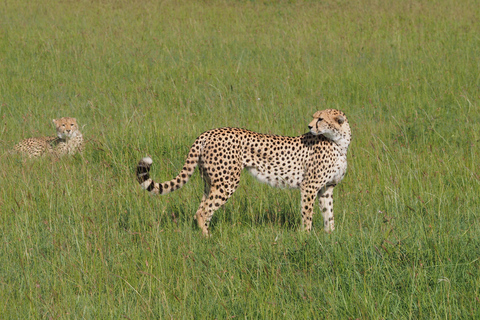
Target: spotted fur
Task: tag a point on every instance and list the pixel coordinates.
(69, 140)
(314, 162)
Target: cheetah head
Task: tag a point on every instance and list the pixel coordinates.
(332, 124)
(66, 127)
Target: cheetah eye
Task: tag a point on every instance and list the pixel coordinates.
(63, 125)
(320, 119)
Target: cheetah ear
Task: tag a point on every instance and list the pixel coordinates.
(340, 119)
(54, 120)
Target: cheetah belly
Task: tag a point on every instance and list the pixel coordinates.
(278, 180)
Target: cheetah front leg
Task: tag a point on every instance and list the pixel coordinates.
(325, 200)
(308, 195)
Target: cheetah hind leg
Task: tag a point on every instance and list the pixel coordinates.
(200, 215)
(325, 200)
(213, 198)
(210, 203)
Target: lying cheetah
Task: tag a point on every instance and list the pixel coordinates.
(69, 140)
(314, 162)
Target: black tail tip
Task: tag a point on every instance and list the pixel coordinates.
(143, 168)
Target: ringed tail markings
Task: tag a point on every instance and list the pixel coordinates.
(147, 183)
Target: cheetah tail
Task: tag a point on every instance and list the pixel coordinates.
(143, 173)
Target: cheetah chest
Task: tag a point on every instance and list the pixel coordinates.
(340, 170)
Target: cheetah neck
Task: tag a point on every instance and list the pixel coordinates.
(340, 139)
(343, 144)
(75, 136)
(76, 140)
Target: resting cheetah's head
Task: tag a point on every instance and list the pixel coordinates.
(332, 124)
(66, 127)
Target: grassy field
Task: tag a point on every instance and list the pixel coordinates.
(79, 239)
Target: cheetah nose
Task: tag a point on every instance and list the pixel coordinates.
(310, 127)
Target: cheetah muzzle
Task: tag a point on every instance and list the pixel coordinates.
(314, 162)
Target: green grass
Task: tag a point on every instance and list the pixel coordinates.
(79, 239)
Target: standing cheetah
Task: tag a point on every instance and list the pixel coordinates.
(69, 140)
(314, 162)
